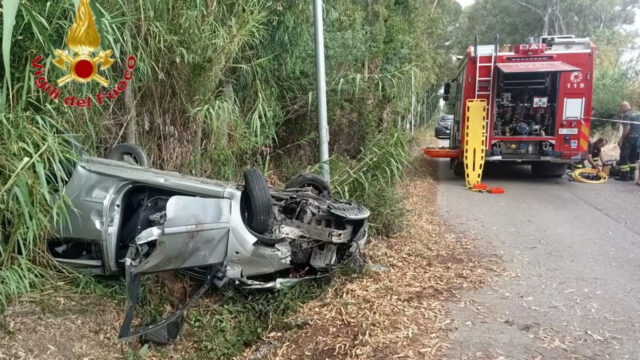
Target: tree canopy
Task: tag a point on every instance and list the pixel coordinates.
(516, 20)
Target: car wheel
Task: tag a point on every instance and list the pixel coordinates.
(258, 209)
(306, 180)
(548, 170)
(129, 153)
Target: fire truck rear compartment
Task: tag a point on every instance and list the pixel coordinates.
(526, 105)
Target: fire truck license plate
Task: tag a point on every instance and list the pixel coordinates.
(567, 131)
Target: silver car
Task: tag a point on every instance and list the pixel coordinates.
(135, 220)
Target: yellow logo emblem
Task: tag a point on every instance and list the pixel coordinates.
(83, 39)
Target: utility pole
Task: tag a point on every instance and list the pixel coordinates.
(323, 128)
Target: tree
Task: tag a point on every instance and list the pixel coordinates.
(517, 20)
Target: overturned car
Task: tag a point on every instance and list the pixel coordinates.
(135, 220)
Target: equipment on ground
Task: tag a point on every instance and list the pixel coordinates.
(611, 168)
(589, 176)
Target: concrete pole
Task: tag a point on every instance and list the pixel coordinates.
(323, 128)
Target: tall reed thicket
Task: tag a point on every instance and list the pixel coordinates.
(221, 85)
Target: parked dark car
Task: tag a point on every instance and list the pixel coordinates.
(443, 126)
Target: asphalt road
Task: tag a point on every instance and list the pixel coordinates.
(570, 288)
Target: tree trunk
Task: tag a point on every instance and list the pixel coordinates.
(366, 70)
(197, 146)
(230, 96)
(547, 12)
(130, 107)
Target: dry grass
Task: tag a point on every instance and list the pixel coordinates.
(401, 309)
(57, 327)
(398, 309)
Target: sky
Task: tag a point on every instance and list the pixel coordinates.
(466, 2)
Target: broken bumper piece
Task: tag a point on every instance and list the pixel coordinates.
(167, 330)
(277, 283)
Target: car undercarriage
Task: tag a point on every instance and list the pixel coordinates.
(126, 219)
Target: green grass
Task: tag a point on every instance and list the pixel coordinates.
(371, 179)
(34, 157)
(111, 288)
(224, 327)
(18, 279)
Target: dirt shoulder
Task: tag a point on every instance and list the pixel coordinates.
(61, 327)
(398, 309)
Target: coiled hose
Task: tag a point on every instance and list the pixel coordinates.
(590, 176)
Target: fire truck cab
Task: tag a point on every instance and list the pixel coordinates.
(538, 101)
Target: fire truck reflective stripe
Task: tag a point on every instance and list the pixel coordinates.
(584, 130)
(584, 138)
(475, 141)
(584, 144)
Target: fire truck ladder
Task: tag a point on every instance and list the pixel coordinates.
(492, 65)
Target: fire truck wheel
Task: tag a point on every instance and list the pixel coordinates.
(458, 167)
(548, 169)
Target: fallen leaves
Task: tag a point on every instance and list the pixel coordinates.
(400, 312)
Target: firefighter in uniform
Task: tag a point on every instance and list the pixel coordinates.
(628, 143)
(594, 157)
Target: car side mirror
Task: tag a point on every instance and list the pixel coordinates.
(446, 91)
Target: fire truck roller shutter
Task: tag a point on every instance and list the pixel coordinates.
(529, 67)
(526, 103)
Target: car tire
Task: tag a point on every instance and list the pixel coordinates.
(540, 169)
(258, 207)
(306, 180)
(120, 152)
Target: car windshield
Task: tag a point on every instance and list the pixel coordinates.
(446, 119)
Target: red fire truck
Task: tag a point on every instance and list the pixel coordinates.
(538, 102)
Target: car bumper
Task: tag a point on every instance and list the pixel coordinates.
(442, 132)
(526, 159)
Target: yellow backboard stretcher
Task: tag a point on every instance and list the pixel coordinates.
(475, 141)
